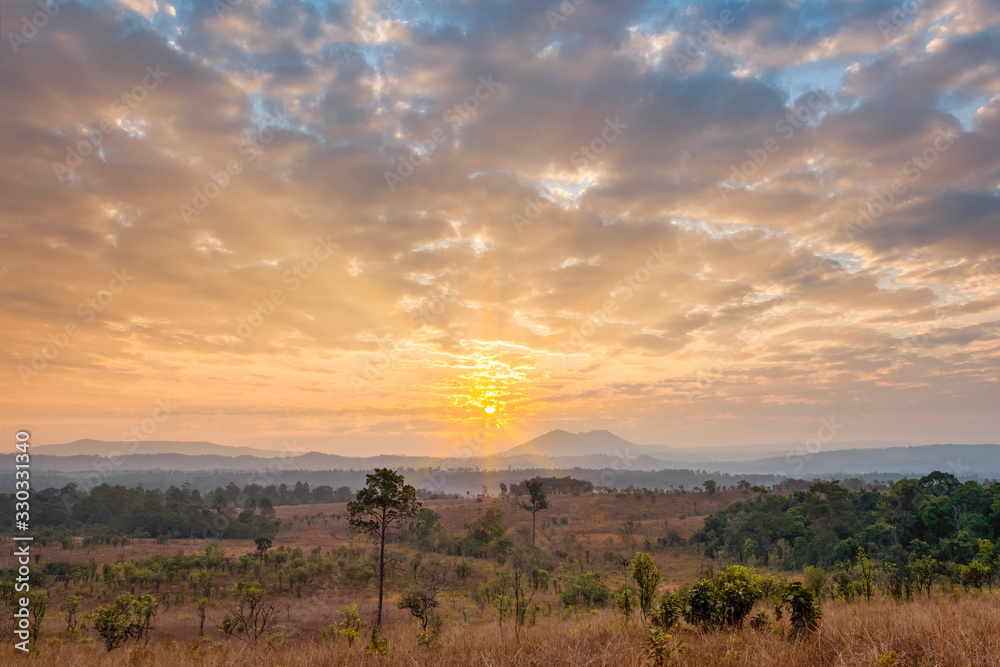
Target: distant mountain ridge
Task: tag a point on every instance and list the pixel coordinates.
(959, 460)
(593, 450)
(560, 443)
(110, 448)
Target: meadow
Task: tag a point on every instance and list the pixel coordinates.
(317, 567)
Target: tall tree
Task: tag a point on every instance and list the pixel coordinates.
(263, 543)
(386, 501)
(536, 503)
(647, 577)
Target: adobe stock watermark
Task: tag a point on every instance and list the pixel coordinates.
(130, 439)
(827, 431)
(696, 47)
(989, 266)
(882, 200)
(581, 158)
(624, 289)
(31, 26)
(707, 377)
(387, 356)
(562, 12)
(379, 365)
(468, 447)
(623, 462)
(430, 310)
(218, 181)
(406, 165)
(909, 347)
(902, 14)
(263, 478)
(794, 120)
(294, 277)
(87, 310)
(93, 138)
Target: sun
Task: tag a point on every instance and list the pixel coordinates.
(492, 385)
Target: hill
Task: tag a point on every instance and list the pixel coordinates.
(960, 460)
(111, 448)
(561, 443)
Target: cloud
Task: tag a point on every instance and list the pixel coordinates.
(276, 126)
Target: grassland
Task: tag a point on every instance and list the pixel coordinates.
(949, 628)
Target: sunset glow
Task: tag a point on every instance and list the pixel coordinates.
(370, 230)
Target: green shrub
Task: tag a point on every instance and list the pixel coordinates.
(647, 577)
(660, 647)
(974, 575)
(700, 608)
(350, 623)
(736, 595)
(816, 580)
(626, 600)
(760, 621)
(585, 590)
(805, 612)
(726, 599)
(669, 611)
(128, 618)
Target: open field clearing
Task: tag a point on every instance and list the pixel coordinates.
(943, 632)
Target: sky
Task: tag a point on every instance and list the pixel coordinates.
(394, 227)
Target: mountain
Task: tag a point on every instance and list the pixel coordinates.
(559, 443)
(731, 453)
(89, 466)
(960, 460)
(595, 450)
(110, 448)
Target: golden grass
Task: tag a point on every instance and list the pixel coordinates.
(942, 632)
(946, 631)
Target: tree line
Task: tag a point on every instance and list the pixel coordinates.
(934, 519)
(107, 512)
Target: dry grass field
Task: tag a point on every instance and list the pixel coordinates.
(595, 520)
(950, 629)
(944, 632)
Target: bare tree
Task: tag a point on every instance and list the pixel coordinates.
(253, 617)
(522, 562)
(627, 534)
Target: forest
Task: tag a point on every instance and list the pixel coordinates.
(935, 515)
(716, 575)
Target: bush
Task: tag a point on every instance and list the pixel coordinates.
(128, 618)
(626, 600)
(725, 600)
(668, 612)
(700, 608)
(378, 645)
(974, 575)
(805, 610)
(419, 602)
(350, 623)
(816, 580)
(736, 595)
(660, 647)
(252, 618)
(843, 583)
(646, 576)
(585, 589)
(760, 621)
